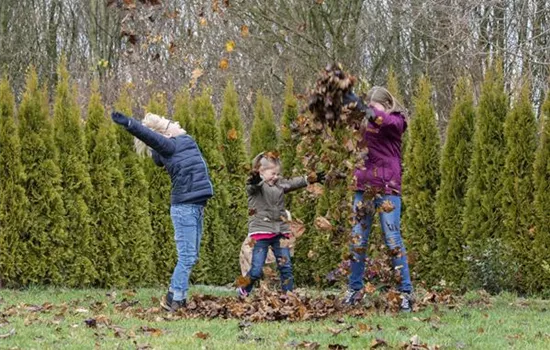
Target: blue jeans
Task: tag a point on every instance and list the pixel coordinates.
(282, 255)
(391, 226)
(187, 220)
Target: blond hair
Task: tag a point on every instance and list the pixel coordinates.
(385, 98)
(156, 123)
(265, 160)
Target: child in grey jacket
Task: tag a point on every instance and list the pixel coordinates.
(268, 221)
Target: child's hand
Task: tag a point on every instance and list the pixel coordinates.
(120, 119)
(316, 177)
(255, 178)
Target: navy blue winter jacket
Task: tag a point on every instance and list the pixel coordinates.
(183, 160)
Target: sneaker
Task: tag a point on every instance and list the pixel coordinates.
(352, 296)
(171, 305)
(242, 293)
(407, 302)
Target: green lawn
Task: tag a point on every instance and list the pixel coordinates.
(56, 319)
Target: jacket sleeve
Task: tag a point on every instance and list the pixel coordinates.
(294, 183)
(156, 158)
(163, 145)
(393, 122)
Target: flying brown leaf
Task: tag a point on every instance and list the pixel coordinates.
(224, 64)
(297, 228)
(387, 206)
(232, 134)
(215, 6)
(244, 31)
(230, 46)
(316, 189)
(323, 224)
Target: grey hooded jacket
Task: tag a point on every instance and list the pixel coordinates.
(266, 205)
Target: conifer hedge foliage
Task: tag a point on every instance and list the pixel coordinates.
(79, 208)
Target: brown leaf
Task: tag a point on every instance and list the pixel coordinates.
(203, 22)
(297, 228)
(364, 327)
(215, 6)
(224, 64)
(232, 134)
(244, 31)
(387, 206)
(378, 343)
(316, 189)
(242, 281)
(370, 288)
(323, 224)
(202, 335)
(155, 332)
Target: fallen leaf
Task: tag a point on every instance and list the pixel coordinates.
(242, 281)
(378, 343)
(203, 22)
(364, 327)
(202, 335)
(155, 332)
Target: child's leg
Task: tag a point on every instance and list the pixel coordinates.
(391, 225)
(282, 254)
(358, 246)
(259, 253)
(187, 221)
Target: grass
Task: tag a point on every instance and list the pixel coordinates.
(505, 322)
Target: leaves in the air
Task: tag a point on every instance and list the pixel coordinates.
(244, 31)
(323, 224)
(224, 64)
(387, 206)
(232, 134)
(230, 46)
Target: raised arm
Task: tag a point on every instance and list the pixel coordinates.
(395, 122)
(163, 145)
(293, 183)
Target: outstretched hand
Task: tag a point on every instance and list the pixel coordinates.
(319, 176)
(120, 119)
